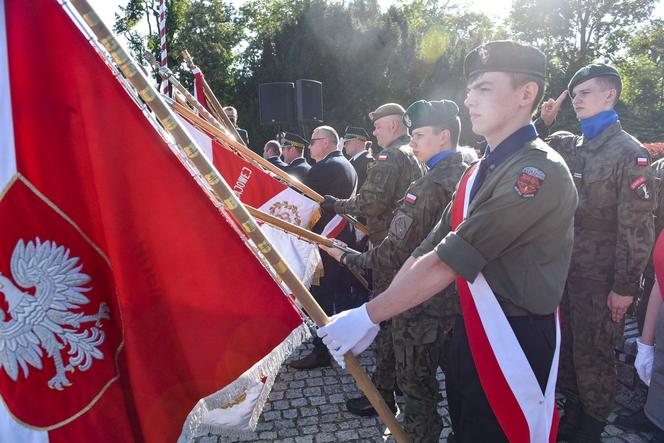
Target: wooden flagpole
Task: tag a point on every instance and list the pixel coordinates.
(306, 234)
(214, 128)
(217, 108)
(227, 197)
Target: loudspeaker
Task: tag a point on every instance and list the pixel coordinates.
(309, 100)
(275, 103)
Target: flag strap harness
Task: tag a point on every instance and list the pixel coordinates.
(524, 413)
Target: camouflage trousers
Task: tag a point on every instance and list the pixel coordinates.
(384, 376)
(587, 368)
(416, 367)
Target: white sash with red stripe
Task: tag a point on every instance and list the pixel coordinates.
(509, 383)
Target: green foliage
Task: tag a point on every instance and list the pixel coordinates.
(366, 56)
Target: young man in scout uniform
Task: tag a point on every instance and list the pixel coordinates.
(393, 171)
(417, 333)
(613, 236)
(507, 239)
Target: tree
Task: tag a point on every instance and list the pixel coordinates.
(642, 69)
(139, 11)
(577, 32)
(210, 33)
(364, 57)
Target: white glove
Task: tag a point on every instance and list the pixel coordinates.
(349, 330)
(645, 356)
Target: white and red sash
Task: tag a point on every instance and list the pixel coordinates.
(515, 396)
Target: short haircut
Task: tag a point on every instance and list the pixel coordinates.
(230, 108)
(610, 82)
(274, 146)
(454, 126)
(520, 79)
(330, 133)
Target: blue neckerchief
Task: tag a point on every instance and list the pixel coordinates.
(433, 161)
(494, 157)
(593, 126)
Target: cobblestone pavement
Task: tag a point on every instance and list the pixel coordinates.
(309, 406)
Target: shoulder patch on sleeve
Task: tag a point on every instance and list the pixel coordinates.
(382, 157)
(410, 198)
(529, 181)
(642, 161)
(640, 187)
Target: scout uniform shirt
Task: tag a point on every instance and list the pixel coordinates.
(387, 179)
(513, 229)
(418, 212)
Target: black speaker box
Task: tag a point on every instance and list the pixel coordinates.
(309, 100)
(275, 103)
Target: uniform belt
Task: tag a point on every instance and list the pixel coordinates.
(594, 224)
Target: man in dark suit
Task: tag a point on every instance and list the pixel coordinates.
(331, 174)
(272, 153)
(355, 147)
(292, 148)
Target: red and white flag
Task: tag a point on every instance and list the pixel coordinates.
(256, 187)
(199, 89)
(125, 295)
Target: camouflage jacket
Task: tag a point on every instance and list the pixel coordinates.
(418, 212)
(658, 170)
(387, 179)
(613, 227)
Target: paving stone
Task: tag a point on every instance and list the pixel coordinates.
(299, 402)
(309, 406)
(290, 413)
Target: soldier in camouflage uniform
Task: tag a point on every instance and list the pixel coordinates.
(393, 171)
(418, 333)
(613, 236)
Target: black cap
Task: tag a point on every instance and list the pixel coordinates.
(290, 139)
(354, 133)
(592, 71)
(430, 113)
(505, 56)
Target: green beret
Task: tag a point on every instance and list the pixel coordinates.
(290, 139)
(430, 113)
(385, 110)
(505, 56)
(592, 71)
(353, 133)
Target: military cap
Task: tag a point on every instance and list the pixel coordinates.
(592, 71)
(353, 133)
(505, 56)
(429, 113)
(385, 110)
(290, 139)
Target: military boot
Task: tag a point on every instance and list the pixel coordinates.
(569, 424)
(590, 430)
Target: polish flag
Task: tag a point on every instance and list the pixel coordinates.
(130, 309)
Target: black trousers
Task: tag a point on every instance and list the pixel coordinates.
(470, 412)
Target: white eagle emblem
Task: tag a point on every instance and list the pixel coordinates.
(45, 321)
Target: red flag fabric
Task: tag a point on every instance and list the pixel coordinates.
(127, 295)
(199, 89)
(254, 186)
